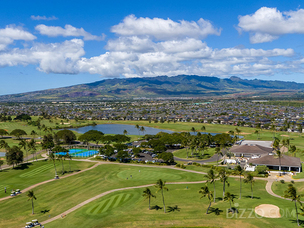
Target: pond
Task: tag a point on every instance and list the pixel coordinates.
(119, 129)
(2, 154)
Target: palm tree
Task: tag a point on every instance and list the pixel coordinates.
(239, 171)
(250, 180)
(4, 144)
(142, 129)
(137, 127)
(61, 157)
(205, 192)
(125, 132)
(219, 152)
(148, 194)
(238, 131)
(53, 158)
(193, 129)
(31, 196)
(257, 133)
(230, 198)
(291, 193)
(224, 178)
(161, 187)
(211, 176)
(279, 154)
(33, 133)
(23, 144)
(203, 128)
(68, 156)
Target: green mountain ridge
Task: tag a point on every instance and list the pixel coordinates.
(162, 86)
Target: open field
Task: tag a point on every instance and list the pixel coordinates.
(58, 196)
(28, 174)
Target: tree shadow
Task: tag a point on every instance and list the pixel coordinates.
(216, 211)
(172, 209)
(156, 207)
(254, 197)
(219, 198)
(45, 211)
(23, 166)
(301, 222)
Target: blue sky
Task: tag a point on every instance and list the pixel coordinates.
(50, 44)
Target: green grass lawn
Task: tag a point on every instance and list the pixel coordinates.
(279, 188)
(58, 196)
(130, 209)
(182, 153)
(31, 173)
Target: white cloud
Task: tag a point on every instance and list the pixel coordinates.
(141, 57)
(162, 29)
(267, 24)
(11, 33)
(68, 30)
(39, 18)
(51, 58)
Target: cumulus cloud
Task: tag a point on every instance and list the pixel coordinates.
(267, 24)
(11, 33)
(50, 58)
(68, 30)
(186, 56)
(163, 29)
(39, 18)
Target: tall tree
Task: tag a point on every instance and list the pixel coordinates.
(291, 193)
(31, 196)
(142, 129)
(161, 186)
(1, 163)
(137, 127)
(230, 198)
(18, 133)
(14, 156)
(203, 128)
(3, 132)
(206, 193)
(279, 154)
(250, 180)
(211, 176)
(148, 194)
(239, 171)
(224, 178)
(53, 158)
(218, 151)
(23, 144)
(125, 132)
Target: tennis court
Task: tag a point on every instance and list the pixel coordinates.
(81, 153)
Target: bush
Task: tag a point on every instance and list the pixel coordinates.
(178, 165)
(292, 182)
(282, 181)
(183, 166)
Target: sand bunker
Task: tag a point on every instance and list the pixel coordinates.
(268, 211)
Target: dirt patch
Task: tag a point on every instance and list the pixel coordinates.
(268, 211)
(289, 136)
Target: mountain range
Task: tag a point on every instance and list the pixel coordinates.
(163, 86)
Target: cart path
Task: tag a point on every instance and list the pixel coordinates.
(106, 193)
(94, 166)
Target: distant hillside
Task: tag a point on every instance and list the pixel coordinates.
(162, 86)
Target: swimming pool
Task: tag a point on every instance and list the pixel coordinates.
(81, 153)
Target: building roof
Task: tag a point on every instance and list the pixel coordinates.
(257, 142)
(250, 149)
(275, 161)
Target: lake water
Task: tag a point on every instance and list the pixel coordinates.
(2, 154)
(119, 128)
